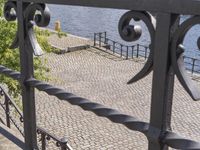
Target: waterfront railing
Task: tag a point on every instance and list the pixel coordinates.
(167, 33)
(127, 52)
(14, 118)
(136, 51)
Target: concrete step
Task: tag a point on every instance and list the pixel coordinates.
(9, 139)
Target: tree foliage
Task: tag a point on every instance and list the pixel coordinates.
(1, 7)
(10, 57)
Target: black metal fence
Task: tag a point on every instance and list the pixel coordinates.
(165, 60)
(192, 64)
(127, 52)
(136, 51)
(14, 117)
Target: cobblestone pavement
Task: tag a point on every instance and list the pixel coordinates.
(6, 144)
(102, 78)
(68, 41)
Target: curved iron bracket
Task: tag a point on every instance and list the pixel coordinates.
(177, 60)
(35, 13)
(131, 33)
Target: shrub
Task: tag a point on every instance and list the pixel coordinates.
(11, 57)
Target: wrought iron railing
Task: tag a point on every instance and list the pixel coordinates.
(128, 52)
(14, 115)
(193, 64)
(12, 112)
(165, 59)
(136, 51)
(62, 144)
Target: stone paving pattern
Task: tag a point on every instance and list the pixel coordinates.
(5, 144)
(101, 78)
(68, 41)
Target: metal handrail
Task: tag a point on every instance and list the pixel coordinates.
(101, 40)
(135, 50)
(45, 135)
(6, 106)
(11, 136)
(113, 115)
(166, 32)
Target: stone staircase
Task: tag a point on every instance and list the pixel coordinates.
(9, 138)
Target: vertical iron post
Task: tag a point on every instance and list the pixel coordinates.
(106, 41)
(163, 83)
(94, 39)
(121, 48)
(7, 111)
(105, 37)
(138, 46)
(100, 39)
(113, 47)
(132, 51)
(28, 97)
(126, 52)
(193, 64)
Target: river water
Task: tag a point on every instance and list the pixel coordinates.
(85, 21)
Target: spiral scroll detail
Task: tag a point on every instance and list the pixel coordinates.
(132, 33)
(177, 60)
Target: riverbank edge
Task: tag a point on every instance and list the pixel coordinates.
(195, 76)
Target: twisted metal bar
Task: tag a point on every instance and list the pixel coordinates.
(10, 73)
(100, 110)
(171, 139)
(175, 141)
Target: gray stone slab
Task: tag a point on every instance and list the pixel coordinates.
(102, 78)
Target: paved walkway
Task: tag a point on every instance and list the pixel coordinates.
(101, 78)
(68, 41)
(5, 143)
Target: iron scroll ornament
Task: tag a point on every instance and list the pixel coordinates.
(177, 59)
(34, 13)
(132, 33)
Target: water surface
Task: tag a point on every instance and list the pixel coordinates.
(85, 21)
